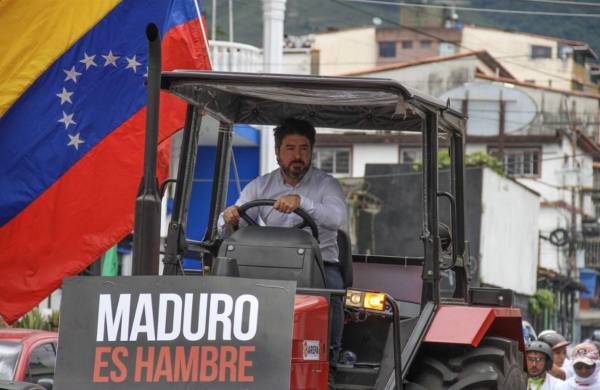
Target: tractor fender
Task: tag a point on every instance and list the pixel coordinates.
(468, 325)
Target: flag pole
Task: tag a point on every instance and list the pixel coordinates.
(146, 232)
(204, 37)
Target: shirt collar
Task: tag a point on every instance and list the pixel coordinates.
(304, 179)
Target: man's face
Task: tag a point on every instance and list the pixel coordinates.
(536, 362)
(583, 370)
(294, 155)
(559, 355)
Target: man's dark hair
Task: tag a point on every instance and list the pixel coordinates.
(294, 126)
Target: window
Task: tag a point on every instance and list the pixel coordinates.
(521, 162)
(407, 44)
(426, 44)
(9, 354)
(410, 155)
(333, 160)
(541, 51)
(387, 49)
(41, 363)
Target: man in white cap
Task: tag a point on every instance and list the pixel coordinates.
(585, 365)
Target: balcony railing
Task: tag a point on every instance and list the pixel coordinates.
(235, 57)
(592, 252)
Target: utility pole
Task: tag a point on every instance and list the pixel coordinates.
(501, 129)
(213, 27)
(230, 20)
(573, 133)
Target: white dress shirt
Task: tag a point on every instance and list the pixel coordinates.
(321, 196)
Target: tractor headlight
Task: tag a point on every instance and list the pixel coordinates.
(365, 300)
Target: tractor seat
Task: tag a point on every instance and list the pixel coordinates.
(345, 257)
(278, 253)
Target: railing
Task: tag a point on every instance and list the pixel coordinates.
(235, 57)
(592, 252)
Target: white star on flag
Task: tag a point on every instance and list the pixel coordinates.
(132, 64)
(72, 74)
(75, 141)
(88, 60)
(67, 119)
(65, 96)
(111, 59)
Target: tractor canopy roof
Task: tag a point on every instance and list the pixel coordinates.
(333, 102)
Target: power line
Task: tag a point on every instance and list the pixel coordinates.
(580, 3)
(490, 10)
(344, 3)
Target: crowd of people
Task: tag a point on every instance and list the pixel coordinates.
(553, 363)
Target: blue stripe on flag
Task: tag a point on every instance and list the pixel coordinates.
(78, 101)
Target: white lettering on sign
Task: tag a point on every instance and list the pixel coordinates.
(161, 332)
(252, 302)
(196, 316)
(220, 316)
(143, 321)
(111, 324)
(188, 333)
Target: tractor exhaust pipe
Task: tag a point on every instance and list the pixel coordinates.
(146, 237)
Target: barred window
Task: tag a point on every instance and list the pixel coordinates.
(520, 162)
(335, 161)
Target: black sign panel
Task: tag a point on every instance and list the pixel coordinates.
(149, 332)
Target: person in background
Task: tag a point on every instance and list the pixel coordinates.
(538, 357)
(559, 353)
(585, 367)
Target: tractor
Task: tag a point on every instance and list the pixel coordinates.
(402, 330)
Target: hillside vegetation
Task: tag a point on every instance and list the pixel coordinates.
(310, 16)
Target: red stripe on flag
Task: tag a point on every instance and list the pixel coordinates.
(91, 207)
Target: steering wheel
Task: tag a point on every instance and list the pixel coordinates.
(307, 220)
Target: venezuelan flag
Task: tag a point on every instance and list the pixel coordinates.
(72, 120)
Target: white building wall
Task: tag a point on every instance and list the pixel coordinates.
(556, 175)
(513, 50)
(509, 234)
(550, 256)
(475, 148)
(346, 51)
(372, 154)
(296, 61)
(433, 78)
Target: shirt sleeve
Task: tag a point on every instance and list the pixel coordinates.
(331, 211)
(248, 194)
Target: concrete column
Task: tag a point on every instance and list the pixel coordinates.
(273, 19)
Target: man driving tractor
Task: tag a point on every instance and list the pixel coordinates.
(297, 184)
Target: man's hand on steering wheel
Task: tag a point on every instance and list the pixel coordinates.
(231, 215)
(287, 203)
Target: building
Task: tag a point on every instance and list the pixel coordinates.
(545, 137)
(537, 59)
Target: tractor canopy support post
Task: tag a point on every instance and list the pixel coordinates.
(146, 238)
(431, 266)
(220, 179)
(183, 189)
(458, 189)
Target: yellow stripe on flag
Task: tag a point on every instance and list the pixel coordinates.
(34, 33)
